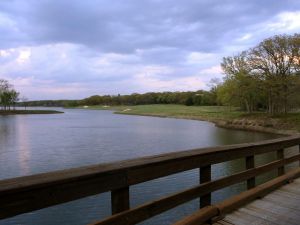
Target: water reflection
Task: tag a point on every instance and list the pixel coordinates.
(24, 145)
(290, 152)
(6, 126)
(40, 143)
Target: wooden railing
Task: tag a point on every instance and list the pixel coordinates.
(25, 194)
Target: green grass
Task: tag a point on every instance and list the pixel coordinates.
(18, 112)
(290, 121)
(179, 111)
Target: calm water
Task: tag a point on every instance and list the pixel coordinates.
(31, 144)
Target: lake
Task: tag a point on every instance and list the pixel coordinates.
(31, 144)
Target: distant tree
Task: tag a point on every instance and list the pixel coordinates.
(24, 101)
(14, 97)
(8, 96)
(189, 101)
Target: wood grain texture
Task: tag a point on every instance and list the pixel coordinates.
(150, 209)
(280, 155)
(205, 176)
(250, 163)
(25, 194)
(120, 200)
(280, 207)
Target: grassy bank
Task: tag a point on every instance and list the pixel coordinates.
(221, 115)
(22, 112)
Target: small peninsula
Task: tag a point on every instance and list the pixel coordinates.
(27, 112)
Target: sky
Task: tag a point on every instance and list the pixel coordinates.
(71, 49)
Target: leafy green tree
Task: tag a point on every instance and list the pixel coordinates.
(276, 61)
(8, 96)
(266, 76)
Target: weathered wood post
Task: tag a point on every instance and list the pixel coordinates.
(205, 176)
(280, 155)
(250, 164)
(120, 200)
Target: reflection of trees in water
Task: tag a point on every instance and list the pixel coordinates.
(7, 128)
(269, 157)
(225, 169)
(224, 136)
(264, 159)
(14, 132)
(24, 152)
(290, 152)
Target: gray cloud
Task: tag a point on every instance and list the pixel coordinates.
(124, 26)
(113, 42)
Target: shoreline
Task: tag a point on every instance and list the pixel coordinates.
(27, 112)
(219, 116)
(254, 127)
(236, 124)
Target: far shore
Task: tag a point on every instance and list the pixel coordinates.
(27, 112)
(221, 116)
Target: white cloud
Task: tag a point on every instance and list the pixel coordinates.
(24, 56)
(109, 59)
(245, 37)
(214, 70)
(5, 53)
(199, 57)
(286, 21)
(145, 83)
(30, 86)
(5, 21)
(154, 71)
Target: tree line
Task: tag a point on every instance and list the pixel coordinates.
(185, 98)
(8, 95)
(265, 77)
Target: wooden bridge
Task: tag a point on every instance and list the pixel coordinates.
(25, 194)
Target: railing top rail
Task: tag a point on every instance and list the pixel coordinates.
(129, 170)
(25, 194)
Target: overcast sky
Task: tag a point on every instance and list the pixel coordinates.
(71, 49)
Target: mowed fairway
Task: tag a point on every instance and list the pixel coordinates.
(177, 111)
(208, 113)
(182, 111)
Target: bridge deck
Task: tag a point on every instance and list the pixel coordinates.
(280, 207)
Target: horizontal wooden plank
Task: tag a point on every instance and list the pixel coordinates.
(287, 202)
(274, 208)
(207, 213)
(259, 191)
(136, 166)
(240, 217)
(270, 219)
(151, 209)
(287, 194)
(223, 222)
(245, 197)
(283, 212)
(24, 194)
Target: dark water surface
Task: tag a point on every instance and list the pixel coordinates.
(31, 144)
